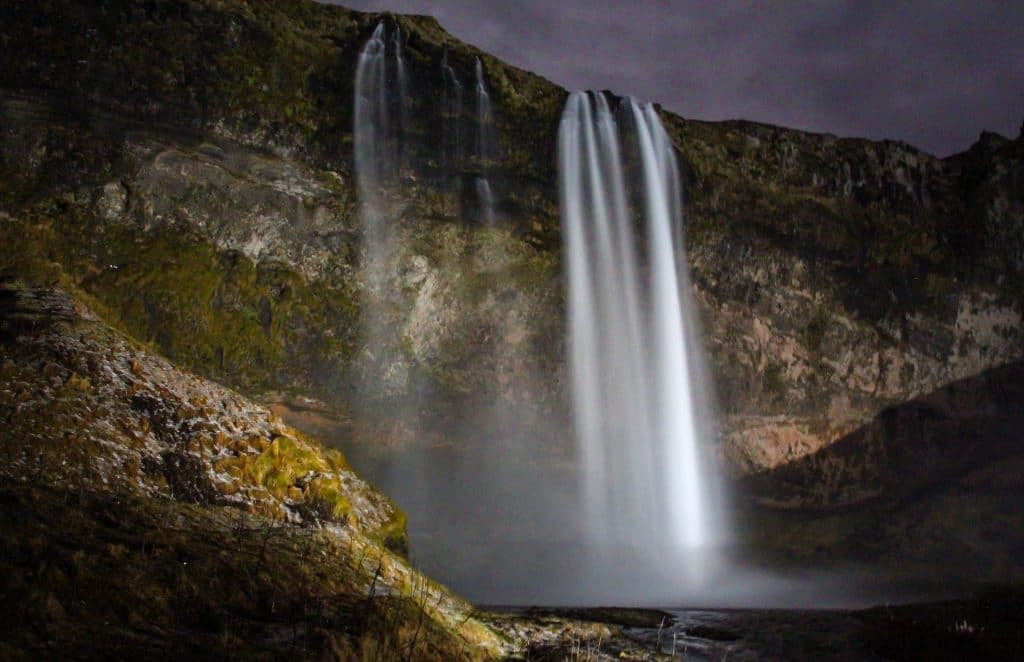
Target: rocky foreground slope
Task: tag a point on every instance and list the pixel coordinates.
(148, 512)
(140, 495)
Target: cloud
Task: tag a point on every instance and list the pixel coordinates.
(933, 74)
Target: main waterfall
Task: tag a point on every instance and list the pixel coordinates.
(639, 410)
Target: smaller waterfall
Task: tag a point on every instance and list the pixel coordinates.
(380, 118)
(451, 119)
(380, 112)
(483, 116)
(484, 145)
(486, 199)
(380, 124)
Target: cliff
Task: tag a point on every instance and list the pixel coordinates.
(188, 164)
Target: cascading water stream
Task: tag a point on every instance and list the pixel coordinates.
(380, 113)
(483, 148)
(451, 118)
(379, 122)
(379, 125)
(635, 374)
(483, 114)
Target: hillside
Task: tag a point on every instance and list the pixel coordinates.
(143, 495)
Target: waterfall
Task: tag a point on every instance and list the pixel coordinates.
(380, 111)
(483, 147)
(635, 364)
(483, 115)
(485, 198)
(380, 121)
(403, 83)
(380, 118)
(451, 118)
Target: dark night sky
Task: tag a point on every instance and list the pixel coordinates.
(931, 73)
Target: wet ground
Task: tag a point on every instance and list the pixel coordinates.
(988, 626)
(758, 635)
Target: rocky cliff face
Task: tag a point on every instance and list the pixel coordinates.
(106, 415)
(188, 164)
(842, 276)
(140, 495)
